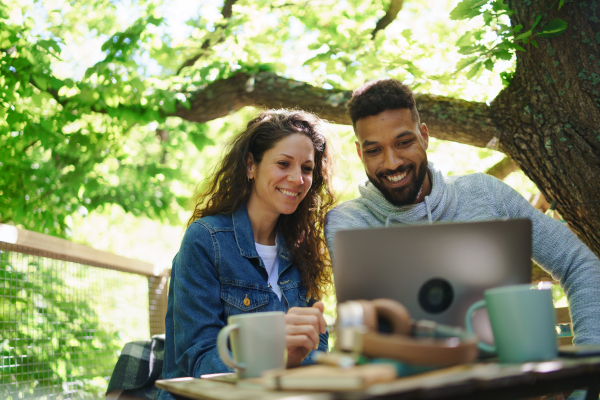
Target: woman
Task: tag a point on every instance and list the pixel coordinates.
(255, 243)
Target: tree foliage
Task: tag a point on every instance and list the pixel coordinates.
(76, 143)
(497, 39)
(129, 127)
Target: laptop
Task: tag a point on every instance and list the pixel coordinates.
(437, 271)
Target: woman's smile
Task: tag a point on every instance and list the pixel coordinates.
(289, 193)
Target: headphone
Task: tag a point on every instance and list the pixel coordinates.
(421, 342)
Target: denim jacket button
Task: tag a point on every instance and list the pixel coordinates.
(246, 301)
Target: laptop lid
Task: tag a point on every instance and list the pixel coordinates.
(436, 271)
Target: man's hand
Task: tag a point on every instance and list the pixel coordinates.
(302, 328)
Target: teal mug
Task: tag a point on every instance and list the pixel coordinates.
(523, 323)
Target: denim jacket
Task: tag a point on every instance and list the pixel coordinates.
(215, 270)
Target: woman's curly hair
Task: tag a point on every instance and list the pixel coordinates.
(228, 188)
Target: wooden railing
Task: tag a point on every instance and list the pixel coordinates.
(66, 310)
(29, 242)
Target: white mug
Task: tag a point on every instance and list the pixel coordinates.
(257, 343)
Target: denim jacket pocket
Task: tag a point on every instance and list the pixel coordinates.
(304, 299)
(296, 296)
(241, 299)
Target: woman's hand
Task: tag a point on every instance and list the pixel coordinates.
(302, 328)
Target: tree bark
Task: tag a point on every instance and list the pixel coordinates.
(448, 119)
(503, 168)
(550, 113)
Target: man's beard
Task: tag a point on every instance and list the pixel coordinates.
(406, 194)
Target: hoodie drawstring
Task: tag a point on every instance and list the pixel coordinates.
(387, 221)
(429, 218)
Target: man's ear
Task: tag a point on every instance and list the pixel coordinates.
(424, 135)
(358, 149)
(250, 166)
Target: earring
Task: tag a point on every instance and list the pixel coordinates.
(249, 179)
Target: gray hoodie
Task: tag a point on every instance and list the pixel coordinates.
(480, 197)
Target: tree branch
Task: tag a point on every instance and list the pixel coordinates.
(389, 17)
(226, 13)
(502, 169)
(448, 119)
(29, 145)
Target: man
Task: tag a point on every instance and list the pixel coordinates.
(403, 188)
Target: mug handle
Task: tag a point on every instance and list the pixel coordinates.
(222, 347)
(469, 325)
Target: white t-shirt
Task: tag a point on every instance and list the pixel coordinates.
(269, 257)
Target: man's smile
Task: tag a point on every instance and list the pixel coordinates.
(396, 177)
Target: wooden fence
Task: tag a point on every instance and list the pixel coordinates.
(66, 310)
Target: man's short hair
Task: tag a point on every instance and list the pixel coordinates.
(379, 95)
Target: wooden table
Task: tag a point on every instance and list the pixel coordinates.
(473, 381)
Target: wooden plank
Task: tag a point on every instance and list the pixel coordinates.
(158, 289)
(565, 341)
(562, 315)
(32, 242)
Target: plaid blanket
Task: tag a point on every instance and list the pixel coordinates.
(138, 367)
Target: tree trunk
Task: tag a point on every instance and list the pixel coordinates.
(550, 114)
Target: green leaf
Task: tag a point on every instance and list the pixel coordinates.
(489, 64)
(537, 21)
(553, 28)
(524, 35)
(499, 5)
(111, 99)
(169, 104)
(51, 44)
(466, 40)
(185, 103)
(474, 70)
(534, 43)
(14, 118)
(37, 98)
(155, 21)
(465, 62)
(57, 83)
(471, 49)
(488, 17)
(40, 81)
(562, 2)
(507, 77)
(197, 134)
(467, 9)
(88, 95)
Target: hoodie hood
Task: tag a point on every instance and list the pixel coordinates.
(441, 204)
